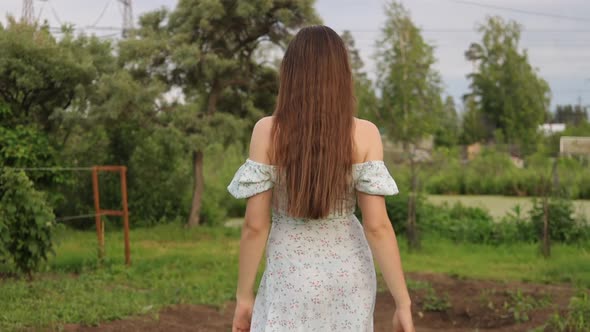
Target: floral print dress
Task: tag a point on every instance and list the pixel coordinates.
(319, 274)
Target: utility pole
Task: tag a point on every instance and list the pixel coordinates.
(127, 17)
(28, 14)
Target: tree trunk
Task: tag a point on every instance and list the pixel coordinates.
(546, 249)
(412, 229)
(199, 186)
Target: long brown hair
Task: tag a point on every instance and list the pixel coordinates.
(313, 121)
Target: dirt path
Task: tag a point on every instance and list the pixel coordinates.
(470, 305)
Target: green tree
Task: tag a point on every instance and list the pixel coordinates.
(41, 78)
(447, 133)
(45, 89)
(511, 97)
(410, 91)
(367, 102)
(207, 49)
(473, 128)
(571, 114)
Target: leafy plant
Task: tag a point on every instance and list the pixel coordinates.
(577, 317)
(433, 302)
(26, 223)
(521, 304)
(563, 227)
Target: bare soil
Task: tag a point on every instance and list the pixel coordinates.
(450, 304)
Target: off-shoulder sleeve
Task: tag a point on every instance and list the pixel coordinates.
(251, 178)
(373, 178)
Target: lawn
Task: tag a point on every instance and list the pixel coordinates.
(173, 265)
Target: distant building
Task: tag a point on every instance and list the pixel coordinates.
(552, 128)
(569, 146)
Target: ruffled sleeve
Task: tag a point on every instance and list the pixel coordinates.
(373, 178)
(251, 178)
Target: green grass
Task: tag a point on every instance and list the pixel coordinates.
(519, 261)
(172, 265)
(498, 206)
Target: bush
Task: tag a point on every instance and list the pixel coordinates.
(563, 226)
(459, 223)
(397, 210)
(160, 179)
(515, 227)
(220, 166)
(493, 173)
(26, 223)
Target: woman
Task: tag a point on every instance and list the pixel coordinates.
(310, 163)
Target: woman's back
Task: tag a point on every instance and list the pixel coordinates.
(319, 273)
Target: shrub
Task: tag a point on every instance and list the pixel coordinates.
(447, 175)
(26, 223)
(563, 227)
(160, 181)
(459, 223)
(220, 166)
(514, 227)
(397, 210)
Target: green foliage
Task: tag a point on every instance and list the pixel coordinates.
(207, 50)
(577, 317)
(397, 210)
(493, 163)
(160, 178)
(473, 128)
(410, 86)
(563, 227)
(218, 204)
(434, 302)
(463, 224)
(41, 77)
(447, 174)
(26, 223)
(460, 223)
(520, 305)
(571, 114)
(447, 133)
(509, 94)
(367, 101)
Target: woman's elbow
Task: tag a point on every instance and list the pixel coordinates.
(256, 226)
(377, 227)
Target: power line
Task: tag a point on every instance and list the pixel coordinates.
(54, 12)
(522, 11)
(101, 14)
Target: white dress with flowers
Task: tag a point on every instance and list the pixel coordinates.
(319, 274)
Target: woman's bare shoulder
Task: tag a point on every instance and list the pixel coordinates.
(367, 141)
(260, 142)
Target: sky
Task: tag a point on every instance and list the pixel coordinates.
(556, 32)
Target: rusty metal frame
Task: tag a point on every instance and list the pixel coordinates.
(122, 170)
